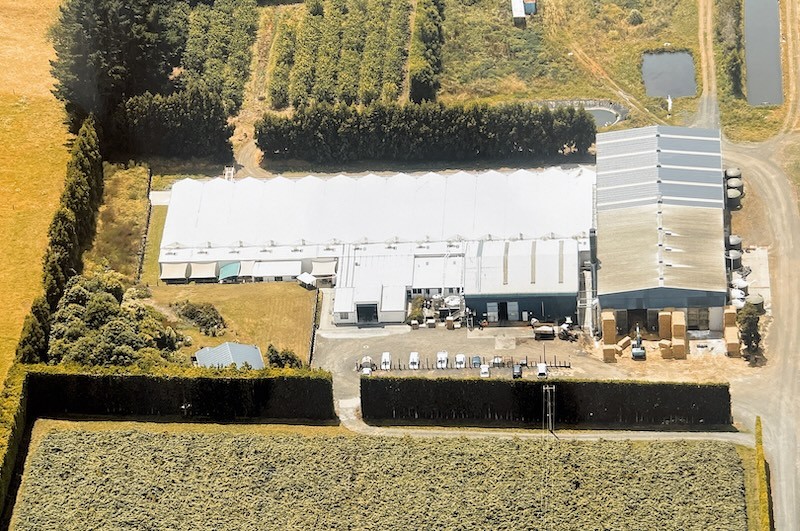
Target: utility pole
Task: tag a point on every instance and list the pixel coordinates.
(548, 407)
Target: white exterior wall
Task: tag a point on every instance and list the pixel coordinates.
(715, 319)
(391, 317)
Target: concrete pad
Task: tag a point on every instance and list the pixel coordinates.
(757, 259)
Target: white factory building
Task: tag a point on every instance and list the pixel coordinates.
(512, 243)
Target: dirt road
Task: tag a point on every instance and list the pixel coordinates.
(773, 392)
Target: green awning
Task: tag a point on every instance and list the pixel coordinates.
(229, 270)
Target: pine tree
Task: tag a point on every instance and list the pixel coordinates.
(32, 346)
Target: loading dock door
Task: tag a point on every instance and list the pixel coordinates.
(513, 311)
(367, 313)
(491, 312)
(502, 311)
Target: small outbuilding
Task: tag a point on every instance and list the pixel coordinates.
(230, 353)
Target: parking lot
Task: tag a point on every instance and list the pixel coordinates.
(340, 351)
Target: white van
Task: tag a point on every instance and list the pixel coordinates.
(484, 371)
(413, 361)
(441, 359)
(541, 370)
(461, 361)
(386, 361)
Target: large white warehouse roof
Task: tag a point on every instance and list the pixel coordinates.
(218, 214)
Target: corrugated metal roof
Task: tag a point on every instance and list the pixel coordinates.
(671, 165)
(227, 353)
(523, 266)
(660, 212)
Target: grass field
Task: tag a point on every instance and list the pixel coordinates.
(486, 57)
(281, 313)
(32, 159)
(191, 479)
(121, 220)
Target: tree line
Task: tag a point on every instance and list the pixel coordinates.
(70, 234)
(170, 54)
(425, 55)
(427, 131)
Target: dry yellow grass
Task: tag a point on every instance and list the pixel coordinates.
(32, 159)
(280, 313)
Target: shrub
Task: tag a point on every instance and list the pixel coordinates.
(635, 17)
(203, 315)
(283, 359)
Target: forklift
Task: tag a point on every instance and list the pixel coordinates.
(637, 350)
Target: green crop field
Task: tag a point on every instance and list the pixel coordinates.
(84, 478)
(339, 50)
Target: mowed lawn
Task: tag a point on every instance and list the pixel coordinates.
(280, 313)
(32, 159)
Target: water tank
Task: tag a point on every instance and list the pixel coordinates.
(733, 259)
(736, 184)
(740, 284)
(737, 303)
(737, 293)
(734, 199)
(756, 300)
(735, 242)
(733, 173)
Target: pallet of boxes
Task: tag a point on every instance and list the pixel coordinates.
(731, 334)
(680, 344)
(609, 326)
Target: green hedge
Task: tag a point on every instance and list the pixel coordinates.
(578, 402)
(31, 391)
(424, 132)
(764, 509)
(224, 396)
(13, 421)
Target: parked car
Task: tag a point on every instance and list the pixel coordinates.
(413, 361)
(476, 362)
(441, 359)
(516, 371)
(366, 361)
(484, 371)
(366, 370)
(497, 361)
(541, 370)
(386, 361)
(461, 361)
